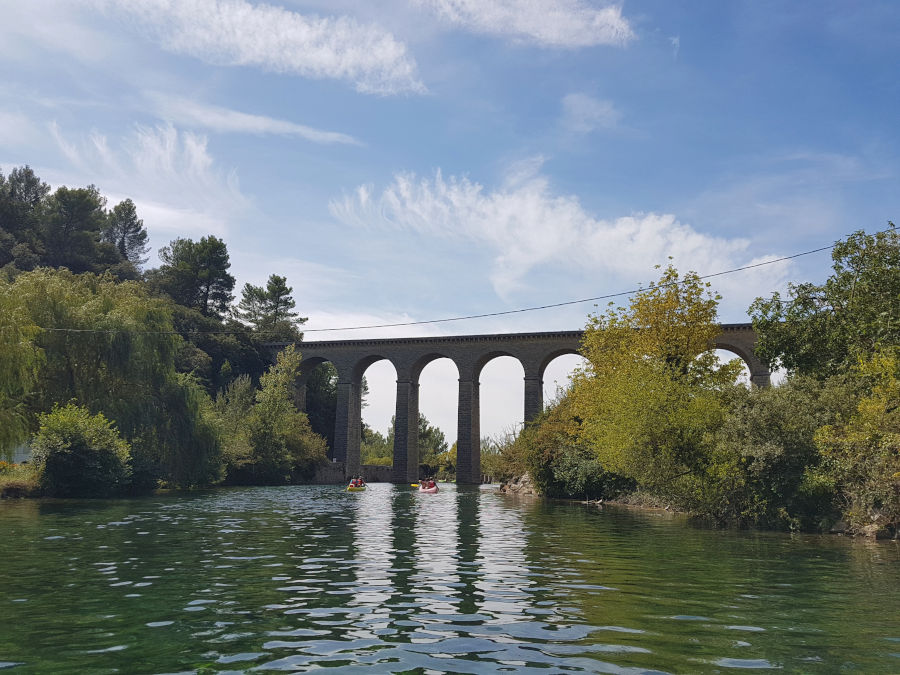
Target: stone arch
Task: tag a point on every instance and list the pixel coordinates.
(487, 357)
(362, 365)
(551, 356)
(550, 371)
(759, 374)
(417, 366)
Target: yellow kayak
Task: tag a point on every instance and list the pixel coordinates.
(350, 488)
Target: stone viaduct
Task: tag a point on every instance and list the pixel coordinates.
(470, 353)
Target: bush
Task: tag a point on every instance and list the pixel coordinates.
(18, 480)
(560, 463)
(79, 454)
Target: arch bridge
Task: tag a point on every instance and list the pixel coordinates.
(470, 353)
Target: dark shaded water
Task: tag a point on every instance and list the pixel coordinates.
(468, 581)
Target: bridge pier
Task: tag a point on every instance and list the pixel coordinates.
(406, 433)
(347, 421)
(468, 443)
(534, 397)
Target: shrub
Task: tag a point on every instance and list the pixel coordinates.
(18, 480)
(79, 454)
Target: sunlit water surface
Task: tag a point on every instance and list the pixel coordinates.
(466, 581)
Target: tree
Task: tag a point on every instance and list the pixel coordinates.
(71, 231)
(651, 391)
(283, 447)
(195, 274)
(862, 453)
(23, 198)
(824, 329)
(111, 347)
(126, 232)
(268, 309)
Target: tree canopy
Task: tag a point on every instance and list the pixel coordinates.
(195, 274)
(824, 329)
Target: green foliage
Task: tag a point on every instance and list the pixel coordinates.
(862, 454)
(282, 446)
(432, 444)
(195, 274)
(268, 309)
(208, 344)
(79, 454)
(62, 229)
(824, 329)
(125, 231)
(375, 448)
(20, 360)
(653, 391)
(233, 408)
(19, 480)
(560, 462)
(764, 469)
(110, 346)
(321, 401)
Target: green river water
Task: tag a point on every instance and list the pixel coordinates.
(466, 581)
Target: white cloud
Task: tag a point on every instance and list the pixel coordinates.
(526, 226)
(676, 45)
(238, 33)
(583, 114)
(169, 174)
(193, 114)
(550, 23)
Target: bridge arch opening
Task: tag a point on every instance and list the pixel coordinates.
(502, 391)
(557, 375)
(438, 378)
(378, 392)
(727, 355)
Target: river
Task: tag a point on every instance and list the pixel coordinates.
(465, 581)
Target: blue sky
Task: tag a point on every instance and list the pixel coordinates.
(415, 159)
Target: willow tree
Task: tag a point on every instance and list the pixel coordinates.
(651, 390)
(111, 348)
(20, 360)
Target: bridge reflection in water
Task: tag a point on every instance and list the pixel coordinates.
(470, 353)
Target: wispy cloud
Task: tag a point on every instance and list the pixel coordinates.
(583, 114)
(199, 115)
(238, 33)
(168, 173)
(552, 23)
(528, 226)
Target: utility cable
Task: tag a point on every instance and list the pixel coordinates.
(468, 317)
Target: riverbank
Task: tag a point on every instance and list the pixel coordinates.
(523, 486)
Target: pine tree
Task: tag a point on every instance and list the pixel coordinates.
(269, 309)
(126, 232)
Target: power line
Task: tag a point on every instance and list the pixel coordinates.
(570, 302)
(468, 317)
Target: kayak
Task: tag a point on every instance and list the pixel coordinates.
(350, 488)
(430, 491)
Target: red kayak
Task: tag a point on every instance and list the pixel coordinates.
(430, 490)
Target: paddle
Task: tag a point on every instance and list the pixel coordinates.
(413, 485)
